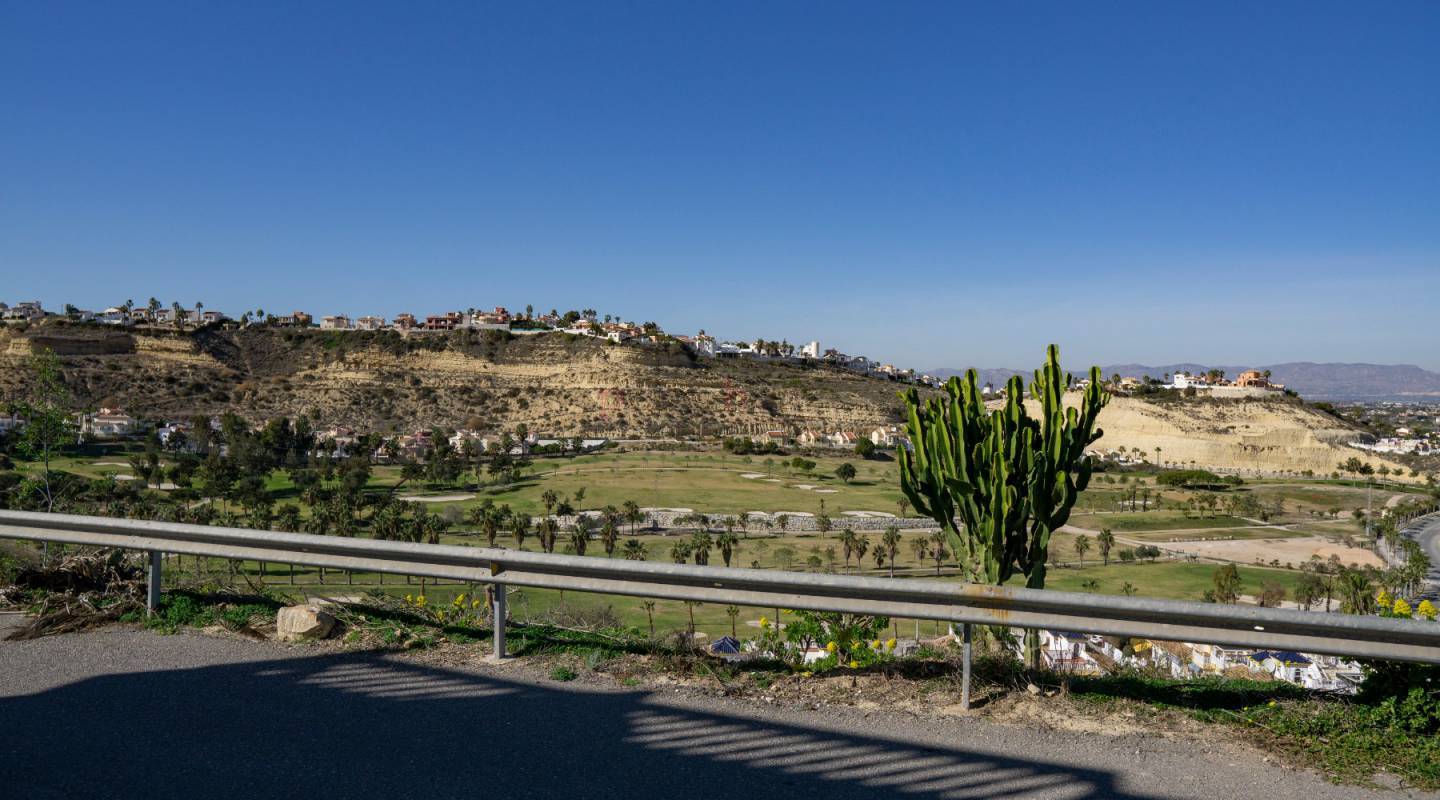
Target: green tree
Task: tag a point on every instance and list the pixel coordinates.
(890, 543)
(1082, 546)
(727, 542)
(1226, 581)
(1106, 540)
(845, 472)
(46, 411)
(634, 550)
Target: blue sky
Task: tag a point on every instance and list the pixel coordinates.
(939, 184)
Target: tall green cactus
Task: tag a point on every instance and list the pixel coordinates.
(1008, 479)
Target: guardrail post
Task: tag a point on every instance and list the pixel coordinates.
(497, 616)
(152, 588)
(965, 667)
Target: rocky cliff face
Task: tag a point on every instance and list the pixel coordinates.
(553, 383)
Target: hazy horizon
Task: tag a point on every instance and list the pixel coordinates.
(931, 185)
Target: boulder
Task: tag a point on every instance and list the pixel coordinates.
(302, 623)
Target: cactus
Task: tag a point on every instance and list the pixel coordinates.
(1000, 482)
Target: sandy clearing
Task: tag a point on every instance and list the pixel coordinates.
(1294, 551)
(752, 475)
(436, 498)
(773, 480)
(802, 486)
(108, 464)
(827, 491)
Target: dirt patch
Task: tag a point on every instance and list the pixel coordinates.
(1292, 551)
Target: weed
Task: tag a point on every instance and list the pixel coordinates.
(563, 673)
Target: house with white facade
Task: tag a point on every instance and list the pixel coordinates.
(108, 423)
(370, 323)
(335, 322)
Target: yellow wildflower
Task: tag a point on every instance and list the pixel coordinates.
(829, 647)
(854, 664)
(420, 601)
(409, 598)
(1383, 599)
(764, 623)
(474, 603)
(1401, 608)
(1426, 610)
(459, 600)
(807, 673)
(890, 644)
(875, 645)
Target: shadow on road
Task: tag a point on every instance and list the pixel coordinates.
(364, 725)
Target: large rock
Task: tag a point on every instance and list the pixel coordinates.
(302, 623)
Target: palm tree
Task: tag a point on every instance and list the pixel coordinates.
(727, 542)
(1082, 544)
(632, 514)
(609, 535)
(579, 536)
(1106, 540)
(847, 542)
(634, 550)
(519, 526)
(700, 544)
(732, 612)
(1128, 590)
(1357, 595)
(890, 541)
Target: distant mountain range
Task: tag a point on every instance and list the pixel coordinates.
(1311, 380)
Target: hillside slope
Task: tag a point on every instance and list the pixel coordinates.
(1269, 436)
(555, 384)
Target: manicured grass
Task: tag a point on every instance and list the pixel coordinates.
(1171, 580)
(709, 483)
(1155, 521)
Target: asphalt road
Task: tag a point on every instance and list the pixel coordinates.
(1429, 539)
(125, 713)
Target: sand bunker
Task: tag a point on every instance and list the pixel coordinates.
(802, 486)
(827, 491)
(752, 475)
(436, 498)
(773, 480)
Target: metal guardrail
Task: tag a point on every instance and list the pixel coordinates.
(1230, 625)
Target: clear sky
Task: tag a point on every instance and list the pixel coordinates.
(938, 184)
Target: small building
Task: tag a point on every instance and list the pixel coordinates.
(108, 423)
(1285, 665)
(405, 322)
(370, 323)
(885, 436)
(335, 322)
(1252, 378)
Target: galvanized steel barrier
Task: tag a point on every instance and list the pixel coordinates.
(1231, 625)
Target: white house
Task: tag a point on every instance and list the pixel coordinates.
(885, 436)
(28, 311)
(843, 439)
(1214, 659)
(811, 350)
(336, 322)
(457, 441)
(370, 323)
(108, 423)
(1286, 665)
